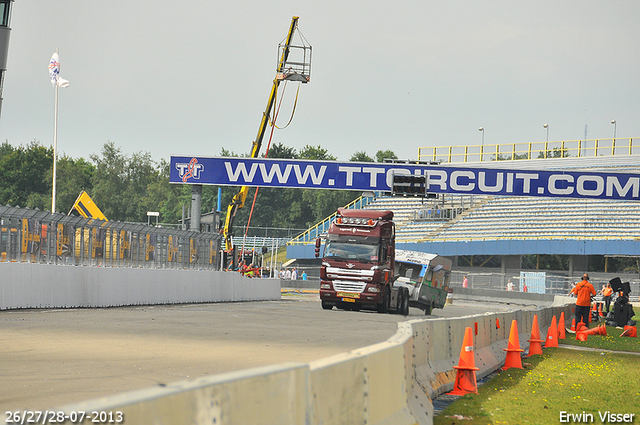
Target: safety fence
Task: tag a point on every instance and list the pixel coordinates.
(36, 236)
(539, 282)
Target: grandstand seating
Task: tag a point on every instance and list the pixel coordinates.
(517, 218)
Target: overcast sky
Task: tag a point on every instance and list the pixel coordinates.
(191, 77)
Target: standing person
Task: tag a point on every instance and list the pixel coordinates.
(304, 275)
(606, 296)
(287, 274)
(524, 288)
(294, 274)
(509, 285)
(583, 291)
(465, 282)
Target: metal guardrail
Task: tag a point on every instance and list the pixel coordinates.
(316, 230)
(36, 236)
(531, 150)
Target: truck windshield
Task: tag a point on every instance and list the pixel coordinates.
(351, 251)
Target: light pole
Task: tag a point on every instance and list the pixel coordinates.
(481, 129)
(547, 127)
(615, 125)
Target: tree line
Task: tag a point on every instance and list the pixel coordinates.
(125, 187)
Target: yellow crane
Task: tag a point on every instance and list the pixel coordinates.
(287, 70)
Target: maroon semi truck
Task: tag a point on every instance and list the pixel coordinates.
(358, 264)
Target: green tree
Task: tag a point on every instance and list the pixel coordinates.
(278, 150)
(361, 156)
(120, 183)
(316, 152)
(23, 173)
(387, 154)
(73, 176)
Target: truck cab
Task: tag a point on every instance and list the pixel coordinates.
(358, 263)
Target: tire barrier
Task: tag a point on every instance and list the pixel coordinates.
(383, 384)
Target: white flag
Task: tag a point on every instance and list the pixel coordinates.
(62, 82)
(54, 72)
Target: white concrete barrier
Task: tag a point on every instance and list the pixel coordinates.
(267, 395)
(26, 285)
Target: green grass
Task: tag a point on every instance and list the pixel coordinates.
(610, 342)
(561, 380)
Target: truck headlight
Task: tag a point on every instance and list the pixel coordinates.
(325, 286)
(373, 289)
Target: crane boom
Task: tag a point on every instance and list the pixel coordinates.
(239, 199)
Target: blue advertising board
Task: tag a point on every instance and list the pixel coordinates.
(370, 176)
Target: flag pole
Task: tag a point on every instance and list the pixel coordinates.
(55, 148)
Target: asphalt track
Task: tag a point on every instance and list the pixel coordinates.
(49, 358)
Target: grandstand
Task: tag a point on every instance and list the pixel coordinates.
(493, 218)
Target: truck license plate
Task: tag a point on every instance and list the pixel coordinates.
(349, 300)
(348, 294)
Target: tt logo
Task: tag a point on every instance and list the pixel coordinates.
(192, 169)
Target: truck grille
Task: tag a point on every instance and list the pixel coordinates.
(339, 273)
(349, 286)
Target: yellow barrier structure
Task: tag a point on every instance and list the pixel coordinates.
(531, 150)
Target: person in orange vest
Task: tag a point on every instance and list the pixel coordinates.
(607, 291)
(583, 291)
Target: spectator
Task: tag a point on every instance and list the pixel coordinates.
(509, 285)
(294, 274)
(607, 291)
(583, 291)
(287, 274)
(465, 282)
(304, 275)
(524, 288)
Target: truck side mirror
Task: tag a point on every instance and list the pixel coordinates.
(317, 247)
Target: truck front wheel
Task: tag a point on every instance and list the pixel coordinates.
(383, 307)
(326, 305)
(404, 306)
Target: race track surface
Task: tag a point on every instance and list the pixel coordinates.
(51, 358)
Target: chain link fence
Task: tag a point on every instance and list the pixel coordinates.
(538, 282)
(36, 236)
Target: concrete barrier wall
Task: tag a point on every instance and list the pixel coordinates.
(26, 285)
(391, 383)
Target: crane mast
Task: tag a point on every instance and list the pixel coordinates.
(295, 71)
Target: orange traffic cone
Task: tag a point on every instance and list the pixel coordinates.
(573, 324)
(535, 343)
(581, 336)
(513, 349)
(497, 323)
(581, 327)
(598, 330)
(561, 330)
(466, 376)
(600, 310)
(552, 335)
(631, 331)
